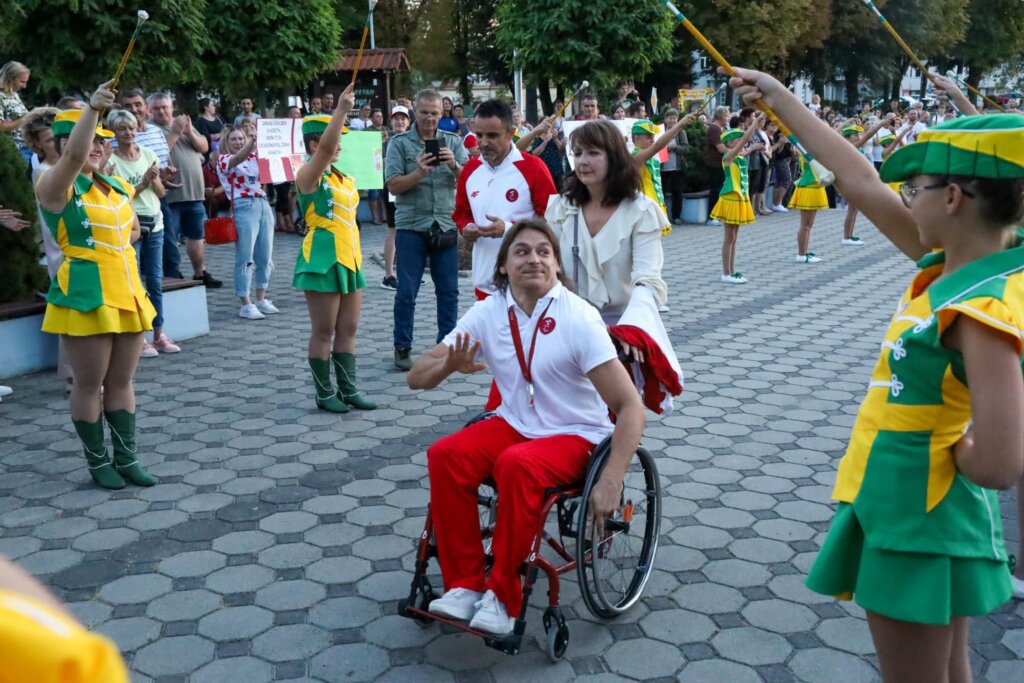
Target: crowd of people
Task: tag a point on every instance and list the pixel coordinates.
(573, 262)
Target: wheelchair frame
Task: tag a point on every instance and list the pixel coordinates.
(571, 503)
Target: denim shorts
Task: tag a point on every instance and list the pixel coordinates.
(190, 217)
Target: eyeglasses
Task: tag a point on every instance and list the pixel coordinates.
(908, 191)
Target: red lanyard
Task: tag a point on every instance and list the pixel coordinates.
(525, 365)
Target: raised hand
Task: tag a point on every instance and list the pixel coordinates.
(12, 220)
(462, 355)
(103, 98)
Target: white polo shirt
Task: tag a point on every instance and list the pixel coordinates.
(516, 189)
(571, 342)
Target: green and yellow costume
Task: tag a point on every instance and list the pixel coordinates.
(97, 289)
(330, 260)
(808, 195)
(650, 174)
(733, 206)
(914, 539)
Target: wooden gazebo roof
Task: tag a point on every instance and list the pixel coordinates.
(384, 59)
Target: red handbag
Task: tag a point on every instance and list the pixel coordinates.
(221, 229)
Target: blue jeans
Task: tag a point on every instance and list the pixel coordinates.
(254, 221)
(172, 257)
(149, 250)
(412, 252)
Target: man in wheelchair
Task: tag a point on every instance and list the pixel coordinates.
(559, 375)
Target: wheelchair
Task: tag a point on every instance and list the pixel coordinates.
(612, 569)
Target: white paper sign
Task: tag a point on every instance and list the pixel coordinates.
(625, 127)
(276, 137)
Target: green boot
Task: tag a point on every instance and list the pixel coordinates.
(326, 399)
(101, 467)
(345, 369)
(122, 436)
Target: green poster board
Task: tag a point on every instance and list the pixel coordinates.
(362, 159)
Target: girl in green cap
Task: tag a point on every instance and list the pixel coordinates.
(917, 538)
(329, 265)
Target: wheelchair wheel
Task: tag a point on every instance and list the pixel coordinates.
(614, 568)
(557, 633)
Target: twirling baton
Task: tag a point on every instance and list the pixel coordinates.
(709, 99)
(142, 16)
(583, 86)
(362, 43)
(913, 57)
(825, 177)
(976, 92)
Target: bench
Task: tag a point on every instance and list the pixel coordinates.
(24, 348)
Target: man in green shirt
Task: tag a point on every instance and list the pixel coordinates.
(424, 190)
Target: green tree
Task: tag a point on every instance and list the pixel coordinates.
(82, 42)
(20, 273)
(565, 43)
(760, 34)
(993, 38)
(297, 41)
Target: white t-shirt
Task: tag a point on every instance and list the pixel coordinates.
(911, 137)
(571, 342)
(877, 148)
(504, 192)
(359, 124)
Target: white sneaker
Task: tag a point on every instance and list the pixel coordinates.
(807, 258)
(714, 222)
(853, 241)
(458, 603)
(148, 350)
(1018, 587)
(735, 279)
(491, 616)
(267, 307)
(664, 308)
(250, 312)
(779, 208)
(5, 391)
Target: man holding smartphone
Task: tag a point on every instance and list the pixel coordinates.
(421, 171)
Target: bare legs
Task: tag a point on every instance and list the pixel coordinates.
(335, 319)
(729, 235)
(803, 235)
(196, 250)
(107, 361)
(911, 653)
(849, 221)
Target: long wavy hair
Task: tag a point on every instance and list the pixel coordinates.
(623, 178)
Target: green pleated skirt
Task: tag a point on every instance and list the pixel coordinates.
(908, 586)
(337, 279)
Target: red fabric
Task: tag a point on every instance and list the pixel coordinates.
(656, 369)
(522, 469)
(538, 177)
(463, 214)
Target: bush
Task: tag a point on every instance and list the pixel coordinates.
(21, 276)
(697, 177)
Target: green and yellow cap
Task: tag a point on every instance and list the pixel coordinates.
(644, 127)
(851, 130)
(66, 120)
(317, 123)
(887, 139)
(732, 134)
(989, 146)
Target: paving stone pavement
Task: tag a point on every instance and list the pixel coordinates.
(280, 537)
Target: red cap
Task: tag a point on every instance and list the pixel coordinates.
(469, 141)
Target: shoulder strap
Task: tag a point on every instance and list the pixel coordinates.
(576, 249)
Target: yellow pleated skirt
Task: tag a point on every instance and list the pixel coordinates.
(733, 209)
(101, 320)
(811, 198)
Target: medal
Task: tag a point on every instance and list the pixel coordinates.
(526, 365)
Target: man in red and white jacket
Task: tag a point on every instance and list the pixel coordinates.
(497, 188)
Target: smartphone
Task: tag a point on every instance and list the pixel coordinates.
(433, 148)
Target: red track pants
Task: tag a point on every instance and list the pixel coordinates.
(522, 469)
